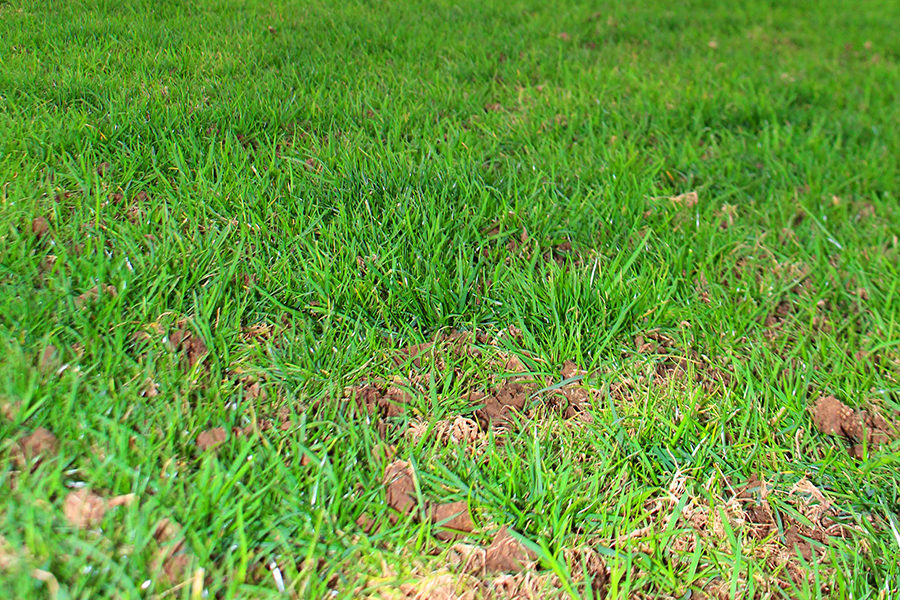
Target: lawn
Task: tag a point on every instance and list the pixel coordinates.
(446, 299)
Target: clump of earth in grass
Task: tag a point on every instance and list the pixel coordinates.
(860, 428)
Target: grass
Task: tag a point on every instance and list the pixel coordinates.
(349, 177)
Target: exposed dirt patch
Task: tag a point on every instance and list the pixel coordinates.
(84, 509)
(507, 554)
(785, 536)
(103, 168)
(40, 227)
(860, 428)
(209, 439)
(35, 447)
(190, 346)
(378, 401)
(172, 557)
(93, 294)
(787, 528)
(400, 487)
(451, 519)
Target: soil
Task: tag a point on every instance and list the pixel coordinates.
(507, 554)
(859, 428)
(209, 439)
(37, 446)
(400, 487)
(40, 227)
(93, 294)
(191, 347)
(84, 509)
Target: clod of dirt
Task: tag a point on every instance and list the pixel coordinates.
(833, 417)
(103, 168)
(377, 402)
(367, 523)
(37, 445)
(211, 438)
(501, 404)
(401, 487)
(85, 509)
(451, 516)
(40, 227)
(93, 294)
(507, 554)
(778, 316)
(191, 347)
(171, 558)
(686, 200)
(166, 530)
(175, 568)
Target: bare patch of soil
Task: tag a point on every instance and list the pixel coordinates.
(451, 519)
(191, 347)
(860, 428)
(209, 439)
(40, 227)
(93, 294)
(84, 509)
(35, 447)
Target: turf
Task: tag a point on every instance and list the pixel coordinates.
(326, 183)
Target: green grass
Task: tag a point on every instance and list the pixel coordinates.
(334, 179)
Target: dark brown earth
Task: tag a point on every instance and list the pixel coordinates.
(93, 294)
(36, 446)
(507, 554)
(211, 438)
(84, 509)
(40, 227)
(860, 428)
(191, 347)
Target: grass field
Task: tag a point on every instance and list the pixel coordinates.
(449, 299)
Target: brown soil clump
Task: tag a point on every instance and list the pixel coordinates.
(858, 427)
(84, 509)
(191, 347)
(209, 439)
(507, 554)
(36, 446)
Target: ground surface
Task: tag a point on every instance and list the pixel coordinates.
(611, 291)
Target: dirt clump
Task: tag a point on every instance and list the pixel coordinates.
(376, 401)
(507, 554)
(859, 427)
(36, 446)
(172, 558)
(191, 347)
(400, 487)
(452, 519)
(93, 294)
(84, 509)
(500, 404)
(209, 439)
(40, 227)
